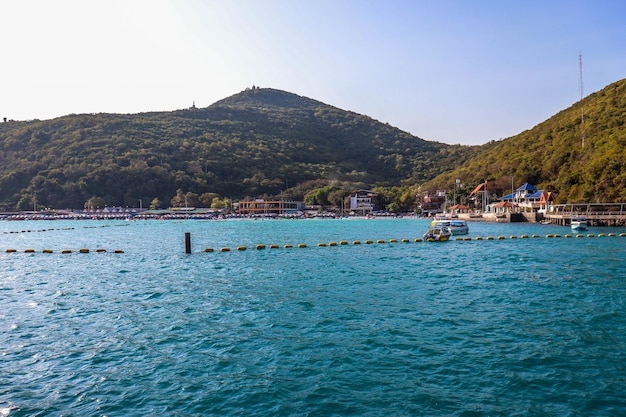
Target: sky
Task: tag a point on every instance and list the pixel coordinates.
(458, 72)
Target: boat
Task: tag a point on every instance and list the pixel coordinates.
(579, 223)
(437, 234)
(457, 227)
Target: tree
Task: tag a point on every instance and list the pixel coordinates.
(319, 196)
(217, 203)
(393, 207)
(337, 196)
(155, 204)
(178, 200)
(192, 200)
(25, 203)
(95, 203)
(206, 199)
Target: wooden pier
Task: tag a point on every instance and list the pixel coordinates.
(597, 214)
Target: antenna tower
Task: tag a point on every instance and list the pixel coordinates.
(582, 109)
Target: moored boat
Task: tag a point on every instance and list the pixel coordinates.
(437, 234)
(457, 227)
(579, 223)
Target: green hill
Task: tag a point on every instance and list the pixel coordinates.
(257, 142)
(266, 142)
(551, 155)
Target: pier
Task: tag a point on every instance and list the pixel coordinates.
(597, 214)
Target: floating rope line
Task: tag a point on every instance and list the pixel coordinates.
(416, 240)
(63, 251)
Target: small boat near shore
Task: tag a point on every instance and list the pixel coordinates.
(578, 223)
(457, 227)
(437, 234)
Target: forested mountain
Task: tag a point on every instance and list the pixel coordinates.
(266, 142)
(554, 156)
(257, 142)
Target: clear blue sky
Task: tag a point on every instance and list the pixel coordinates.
(451, 71)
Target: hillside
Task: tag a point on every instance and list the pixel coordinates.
(551, 155)
(257, 142)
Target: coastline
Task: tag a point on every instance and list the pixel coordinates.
(210, 215)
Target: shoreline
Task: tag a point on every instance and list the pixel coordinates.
(488, 217)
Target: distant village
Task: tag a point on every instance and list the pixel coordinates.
(363, 203)
(524, 204)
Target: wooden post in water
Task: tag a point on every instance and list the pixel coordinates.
(187, 242)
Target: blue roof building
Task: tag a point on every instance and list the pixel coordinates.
(527, 196)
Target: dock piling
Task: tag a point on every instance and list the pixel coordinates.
(187, 242)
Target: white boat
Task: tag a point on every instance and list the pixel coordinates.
(437, 234)
(457, 227)
(579, 223)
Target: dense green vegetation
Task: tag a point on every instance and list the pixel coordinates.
(265, 142)
(260, 142)
(552, 157)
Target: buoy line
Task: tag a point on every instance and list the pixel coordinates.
(35, 231)
(57, 229)
(372, 242)
(63, 251)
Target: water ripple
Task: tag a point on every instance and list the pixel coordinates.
(465, 328)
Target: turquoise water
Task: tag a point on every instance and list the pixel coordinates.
(505, 327)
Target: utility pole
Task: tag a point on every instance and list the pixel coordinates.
(457, 183)
(485, 197)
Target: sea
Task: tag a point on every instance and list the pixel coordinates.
(333, 317)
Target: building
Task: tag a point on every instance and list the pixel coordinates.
(433, 204)
(480, 197)
(364, 202)
(528, 198)
(269, 207)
